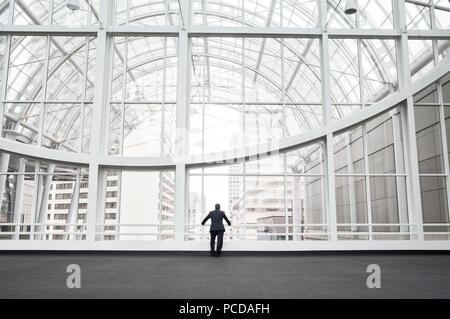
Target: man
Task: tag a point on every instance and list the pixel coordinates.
(216, 228)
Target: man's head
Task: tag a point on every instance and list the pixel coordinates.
(217, 206)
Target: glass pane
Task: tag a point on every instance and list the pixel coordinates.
(27, 12)
(429, 140)
(62, 127)
(418, 16)
(215, 128)
(263, 124)
(8, 196)
(26, 205)
(67, 206)
(260, 13)
(420, 51)
(149, 130)
(427, 95)
(196, 212)
(264, 205)
(87, 126)
(217, 71)
(442, 16)
(147, 13)
(381, 146)
(75, 18)
(146, 205)
(389, 205)
(91, 70)
(336, 17)
(4, 14)
(149, 61)
(111, 205)
(66, 68)
(266, 165)
(302, 118)
(26, 68)
(204, 193)
(446, 92)
(443, 49)
(302, 70)
(263, 70)
(233, 13)
(15, 204)
(344, 71)
(118, 69)
(306, 213)
(351, 206)
(300, 14)
(21, 122)
(307, 160)
(434, 203)
(447, 128)
(349, 153)
(49, 201)
(379, 69)
(342, 111)
(115, 130)
(375, 14)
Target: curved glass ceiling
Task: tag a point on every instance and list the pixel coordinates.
(243, 90)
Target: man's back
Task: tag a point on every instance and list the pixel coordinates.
(217, 216)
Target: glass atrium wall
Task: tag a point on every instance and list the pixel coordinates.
(125, 121)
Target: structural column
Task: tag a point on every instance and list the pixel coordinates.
(351, 184)
(400, 169)
(72, 216)
(326, 119)
(43, 200)
(18, 198)
(97, 147)
(445, 148)
(181, 149)
(407, 116)
(4, 163)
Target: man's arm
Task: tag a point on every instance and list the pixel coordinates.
(206, 219)
(226, 218)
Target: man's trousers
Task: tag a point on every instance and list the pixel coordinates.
(219, 234)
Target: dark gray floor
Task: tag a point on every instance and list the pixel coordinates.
(123, 275)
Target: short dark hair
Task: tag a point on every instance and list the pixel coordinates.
(217, 206)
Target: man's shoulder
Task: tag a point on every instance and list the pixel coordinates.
(217, 212)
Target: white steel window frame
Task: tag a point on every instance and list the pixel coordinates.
(97, 160)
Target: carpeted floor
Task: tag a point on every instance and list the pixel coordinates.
(252, 275)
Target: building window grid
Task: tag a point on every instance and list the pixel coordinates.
(440, 229)
(290, 230)
(29, 227)
(369, 228)
(112, 227)
(43, 102)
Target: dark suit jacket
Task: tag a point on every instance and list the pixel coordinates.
(217, 217)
